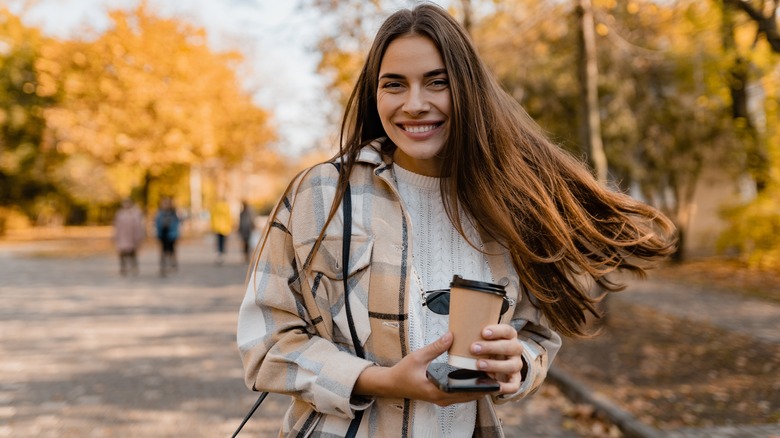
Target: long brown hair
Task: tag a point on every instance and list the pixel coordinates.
(558, 223)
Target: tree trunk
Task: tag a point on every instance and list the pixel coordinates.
(758, 162)
(145, 190)
(590, 127)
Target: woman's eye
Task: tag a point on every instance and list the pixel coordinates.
(439, 83)
(391, 85)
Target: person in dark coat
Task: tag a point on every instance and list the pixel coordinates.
(167, 224)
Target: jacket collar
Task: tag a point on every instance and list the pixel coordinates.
(372, 154)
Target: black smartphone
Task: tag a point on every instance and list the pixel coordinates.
(450, 379)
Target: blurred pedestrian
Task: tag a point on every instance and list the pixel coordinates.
(129, 233)
(246, 225)
(221, 225)
(167, 224)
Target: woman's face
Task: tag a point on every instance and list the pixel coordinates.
(414, 101)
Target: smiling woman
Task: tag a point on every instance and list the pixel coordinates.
(440, 174)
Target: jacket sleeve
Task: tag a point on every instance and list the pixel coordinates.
(540, 346)
(280, 337)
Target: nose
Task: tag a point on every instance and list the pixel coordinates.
(416, 102)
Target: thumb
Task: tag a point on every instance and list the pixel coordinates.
(436, 348)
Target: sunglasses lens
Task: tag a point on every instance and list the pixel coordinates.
(504, 307)
(438, 302)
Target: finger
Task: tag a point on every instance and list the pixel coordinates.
(510, 366)
(504, 347)
(499, 331)
(436, 348)
(509, 384)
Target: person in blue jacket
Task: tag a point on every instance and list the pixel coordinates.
(167, 224)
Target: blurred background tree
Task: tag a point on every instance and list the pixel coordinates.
(663, 107)
(26, 91)
(752, 46)
(139, 110)
(146, 103)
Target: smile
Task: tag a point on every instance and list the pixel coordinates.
(419, 129)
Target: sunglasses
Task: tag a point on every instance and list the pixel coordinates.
(438, 301)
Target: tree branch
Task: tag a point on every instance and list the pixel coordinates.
(766, 25)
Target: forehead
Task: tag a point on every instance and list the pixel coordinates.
(411, 54)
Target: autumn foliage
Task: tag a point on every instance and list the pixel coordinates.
(130, 111)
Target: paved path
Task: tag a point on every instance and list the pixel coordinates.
(87, 353)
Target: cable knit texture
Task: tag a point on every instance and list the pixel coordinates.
(438, 252)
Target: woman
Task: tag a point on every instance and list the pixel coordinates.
(447, 175)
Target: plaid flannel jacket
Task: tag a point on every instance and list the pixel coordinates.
(293, 334)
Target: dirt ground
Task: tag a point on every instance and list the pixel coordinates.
(671, 373)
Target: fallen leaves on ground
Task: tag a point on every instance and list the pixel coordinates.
(729, 275)
(670, 372)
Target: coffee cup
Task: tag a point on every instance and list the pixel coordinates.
(473, 306)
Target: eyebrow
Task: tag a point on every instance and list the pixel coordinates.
(432, 73)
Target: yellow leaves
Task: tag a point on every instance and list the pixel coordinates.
(755, 229)
(16, 117)
(771, 105)
(607, 4)
(124, 178)
(79, 59)
(85, 179)
(66, 147)
(48, 71)
(109, 89)
(11, 161)
(150, 93)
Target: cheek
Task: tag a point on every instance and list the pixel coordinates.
(384, 106)
(445, 105)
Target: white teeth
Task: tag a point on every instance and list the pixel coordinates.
(419, 129)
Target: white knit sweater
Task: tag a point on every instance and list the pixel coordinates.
(438, 252)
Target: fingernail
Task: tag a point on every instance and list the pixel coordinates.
(488, 332)
(482, 364)
(476, 348)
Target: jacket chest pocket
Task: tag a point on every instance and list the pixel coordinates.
(326, 267)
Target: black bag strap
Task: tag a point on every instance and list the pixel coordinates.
(346, 204)
(347, 207)
(250, 413)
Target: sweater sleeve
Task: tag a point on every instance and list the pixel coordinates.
(280, 335)
(540, 346)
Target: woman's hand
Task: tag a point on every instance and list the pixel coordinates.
(407, 378)
(502, 356)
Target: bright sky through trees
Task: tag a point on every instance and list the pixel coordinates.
(271, 34)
